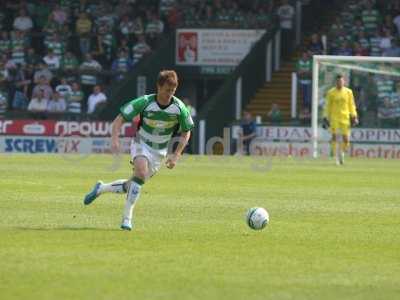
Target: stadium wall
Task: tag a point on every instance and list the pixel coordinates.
(220, 110)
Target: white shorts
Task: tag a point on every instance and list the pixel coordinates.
(155, 160)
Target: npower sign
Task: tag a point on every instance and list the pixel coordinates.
(63, 128)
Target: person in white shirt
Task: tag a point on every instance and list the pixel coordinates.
(43, 71)
(95, 99)
(39, 103)
(286, 15)
(386, 40)
(43, 85)
(23, 22)
(52, 60)
(57, 104)
(64, 88)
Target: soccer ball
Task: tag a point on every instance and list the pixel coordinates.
(257, 218)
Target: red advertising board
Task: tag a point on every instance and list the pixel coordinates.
(63, 128)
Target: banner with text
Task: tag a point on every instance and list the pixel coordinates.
(304, 150)
(215, 47)
(59, 145)
(358, 135)
(62, 128)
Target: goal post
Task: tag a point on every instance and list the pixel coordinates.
(329, 66)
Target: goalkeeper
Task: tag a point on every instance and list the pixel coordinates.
(340, 114)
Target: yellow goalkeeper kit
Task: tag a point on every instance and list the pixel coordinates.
(339, 107)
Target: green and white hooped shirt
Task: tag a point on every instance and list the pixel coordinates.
(157, 123)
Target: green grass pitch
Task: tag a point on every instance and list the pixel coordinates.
(334, 231)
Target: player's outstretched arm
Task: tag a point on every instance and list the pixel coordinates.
(183, 140)
(116, 129)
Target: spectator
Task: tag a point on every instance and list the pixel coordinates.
(56, 45)
(43, 86)
(89, 69)
(123, 46)
(166, 6)
(386, 41)
(345, 49)
(42, 71)
(19, 79)
(358, 50)
(59, 15)
(23, 22)
(5, 43)
(51, 60)
(8, 62)
(75, 99)
(364, 42)
(123, 8)
(138, 26)
(106, 42)
(375, 42)
(39, 103)
(394, 50)
(69, 62)
(286, 15)
(42, 12)
(64, 89)
(304, 73)
(121, 64)
(388, 24)
(20, 101)
(31, 58)
(396, 22)
(174, 17)
(51, 27)
(3, 101)
(357, 27)
(154, 28)
(57, 104)
(275, 114)
(95, 99)
(140, 49)
(83, 29)
(18, 47)
(126, 27)
(316, 47)
(3, 72)
(247, 133)
(370, 18)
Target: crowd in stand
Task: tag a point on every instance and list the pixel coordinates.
(363, 28)
(56, 55)
(65, 51)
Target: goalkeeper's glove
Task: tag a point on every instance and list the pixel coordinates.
(325, 123)
(354, 121)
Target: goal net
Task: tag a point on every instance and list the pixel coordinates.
(375, 82)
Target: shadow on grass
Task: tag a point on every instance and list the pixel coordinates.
(66, 228)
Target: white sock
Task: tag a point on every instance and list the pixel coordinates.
(131, 197)
(117, 186)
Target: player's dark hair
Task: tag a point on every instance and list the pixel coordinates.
(339, 76)
(167, 77)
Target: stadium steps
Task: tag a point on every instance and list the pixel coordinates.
(277, 91)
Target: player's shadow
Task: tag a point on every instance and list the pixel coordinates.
(66, 228)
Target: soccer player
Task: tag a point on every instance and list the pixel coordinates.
(339, 114)
(161, 115)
